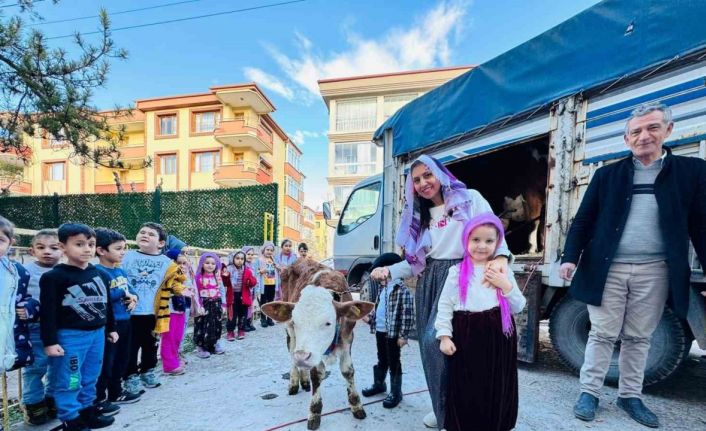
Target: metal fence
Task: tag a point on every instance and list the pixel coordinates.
(221, 218)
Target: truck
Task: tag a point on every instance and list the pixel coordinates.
(542, 118)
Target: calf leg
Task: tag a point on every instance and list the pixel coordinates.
(316, 405)
(348, 373)
(294, 371)
(304, 380)
(534, 237)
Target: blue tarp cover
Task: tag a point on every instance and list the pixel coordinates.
(607, 41)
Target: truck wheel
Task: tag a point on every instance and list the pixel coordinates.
(364, 284)
(568, 329)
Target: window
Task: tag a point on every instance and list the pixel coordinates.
(168, 164)
(362, 205)
(293, 188)
(355, 158)
(55, 171)
(206, 161)
(395, 102)
(167, 125)
(291, 219)
(340, 194)
(206, 122)
(293, 157)
(356, 115)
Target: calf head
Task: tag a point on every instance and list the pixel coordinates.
(514, 209)
(313, 320)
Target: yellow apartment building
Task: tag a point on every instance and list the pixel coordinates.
(308, 228)
(321, 230)
(357, 106)
(225, 137)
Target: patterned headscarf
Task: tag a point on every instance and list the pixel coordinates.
(231, 256)
(457, 202)
(245, 250)
(202, 259)
(466, 271)
(266, 245)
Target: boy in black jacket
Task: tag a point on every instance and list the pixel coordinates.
(76, 315)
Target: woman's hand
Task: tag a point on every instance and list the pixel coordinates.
(447, 346)
(498, 280)
(380, 274)
(499, 264)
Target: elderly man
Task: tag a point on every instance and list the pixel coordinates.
(630, 239)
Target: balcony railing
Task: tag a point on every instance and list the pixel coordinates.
(237, 173)
(237, 133)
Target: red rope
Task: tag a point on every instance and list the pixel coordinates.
(298, 421)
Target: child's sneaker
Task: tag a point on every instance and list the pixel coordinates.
(36, 414)
(51, 407)
(126, 397)
(94, 420)
(76, 424)
(230, 336)
(241, 334)
(175, 372)
(149, 379)
(218, 350)
(106, 408)
(132, 385)
(203, 354)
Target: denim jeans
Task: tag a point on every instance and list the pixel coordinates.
(35, 390)
(74, 375)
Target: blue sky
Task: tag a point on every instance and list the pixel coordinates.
(287, 48)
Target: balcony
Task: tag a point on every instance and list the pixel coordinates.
(241, 174)
(237, 134)
(244, 96)
(15, 186)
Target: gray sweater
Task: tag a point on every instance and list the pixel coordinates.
(642, 240)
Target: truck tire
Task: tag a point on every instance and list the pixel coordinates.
(364, 284)
(568, 329)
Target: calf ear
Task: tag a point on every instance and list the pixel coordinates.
(278, 310)
(353, 310)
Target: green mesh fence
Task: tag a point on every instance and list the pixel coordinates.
(222, 218)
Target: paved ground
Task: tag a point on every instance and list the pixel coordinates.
(244, 390)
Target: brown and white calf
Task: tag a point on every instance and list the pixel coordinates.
(319, 329)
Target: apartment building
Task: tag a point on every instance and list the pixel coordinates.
(224, 137)
(357, 106)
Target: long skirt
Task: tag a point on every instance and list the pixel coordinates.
(434, 362)
(482, 391)
(209, 327)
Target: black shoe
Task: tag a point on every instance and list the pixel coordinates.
(74, 425)
(264, 323)
(126, 398)
(270, 322)
(51, 407)
(395, 396)
(36, 414)
(637, 410)
(585, 407)
(248, 326)
(106, 408)
(378, 386)
(94, 420)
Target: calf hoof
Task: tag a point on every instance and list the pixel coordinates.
(293, 390)
(314, 422)
(306, 386)
(359, 414)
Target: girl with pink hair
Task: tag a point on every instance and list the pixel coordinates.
(475, 327)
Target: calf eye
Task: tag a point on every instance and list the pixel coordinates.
(328, 323)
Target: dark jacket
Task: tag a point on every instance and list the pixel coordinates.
(23, 347)
(680, 190)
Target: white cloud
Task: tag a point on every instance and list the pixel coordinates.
(300, 136)
(268, 81)
(426, 43)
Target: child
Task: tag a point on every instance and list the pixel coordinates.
(37, 396)
(170, 321)
(208, 328)
(303, 250)
(392, 320)
(190, 299)
(475, 309)
(76, 315)
(17, 309)
(110, 248)
(145, 268)
(238, 297)
(286, 255)
(249, 263)
(268, 280)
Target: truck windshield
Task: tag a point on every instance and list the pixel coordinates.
(362, 204)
